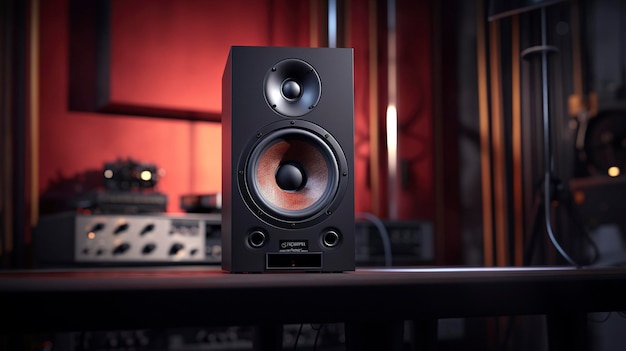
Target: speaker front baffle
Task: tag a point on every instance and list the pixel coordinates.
(288, 160)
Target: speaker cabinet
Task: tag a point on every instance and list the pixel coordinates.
(288, 160)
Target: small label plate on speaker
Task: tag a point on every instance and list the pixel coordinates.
(294, 246)
(293, 261)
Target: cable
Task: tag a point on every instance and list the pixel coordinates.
(81, 340)
(382, 231)
(585, 232)
(317, 335)
(508, 332)
(295, 344)
(548, 220)
(547, 182)
(572, 215)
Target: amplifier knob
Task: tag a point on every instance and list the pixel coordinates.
(121, 248)
(147, 229)
(148, 248)
(121, 228)
(97, 227)
(176, 248)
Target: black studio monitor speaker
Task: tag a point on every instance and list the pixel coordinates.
(288, 160)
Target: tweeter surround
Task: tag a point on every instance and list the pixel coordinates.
(292, 87)
(292, 174)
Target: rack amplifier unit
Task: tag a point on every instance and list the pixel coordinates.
(411, 243)
(74, 238)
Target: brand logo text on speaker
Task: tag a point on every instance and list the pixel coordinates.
(294, 246)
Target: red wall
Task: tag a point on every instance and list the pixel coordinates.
(171, 54)
(73, 142)
(415, 108)
(157, 74)
(414, 85)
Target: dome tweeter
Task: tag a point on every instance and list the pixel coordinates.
(292, 87)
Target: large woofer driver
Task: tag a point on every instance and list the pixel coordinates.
(292, 87)
(293, 176)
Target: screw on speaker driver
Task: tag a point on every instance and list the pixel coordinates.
(292, 87)
(293, 174)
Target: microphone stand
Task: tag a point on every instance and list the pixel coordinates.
(544, 50)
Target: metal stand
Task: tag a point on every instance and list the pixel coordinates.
(544, 50)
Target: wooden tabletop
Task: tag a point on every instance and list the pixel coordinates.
(152, 297)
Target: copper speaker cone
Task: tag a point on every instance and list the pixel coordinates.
(312, 177)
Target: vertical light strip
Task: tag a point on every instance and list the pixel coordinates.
(498, 148)
(391, 52)
(313, 23)
(392, 152)
(34, 112)
(581, 105)
(392, 110)
(191, 185)
(7, 137)
(374, 135)
(516, 121)
(576, 50)
(332, 23)
(346, 23)
(485, 140)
